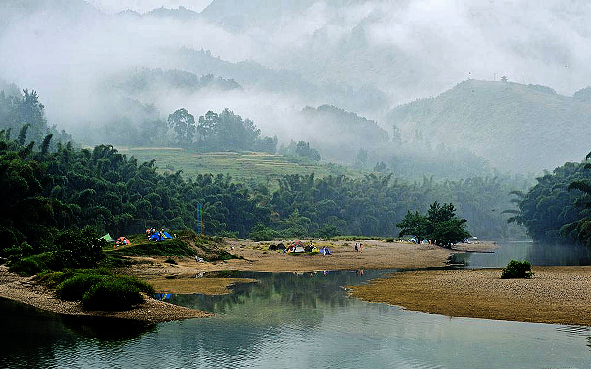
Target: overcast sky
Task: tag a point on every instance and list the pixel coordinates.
(113, 6)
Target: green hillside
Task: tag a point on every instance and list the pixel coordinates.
(515, 126)
(242, 167)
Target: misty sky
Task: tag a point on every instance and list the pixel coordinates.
(141, 6)
(404, 49)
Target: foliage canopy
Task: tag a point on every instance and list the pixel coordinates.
(440, 225)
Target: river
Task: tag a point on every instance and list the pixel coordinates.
(289, 320)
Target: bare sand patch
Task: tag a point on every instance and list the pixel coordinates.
(256, 256)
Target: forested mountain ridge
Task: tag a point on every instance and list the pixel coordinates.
(255, 75)
(146, 80)
(516, 127)
(338, 134)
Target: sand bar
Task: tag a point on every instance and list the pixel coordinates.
(559, 295)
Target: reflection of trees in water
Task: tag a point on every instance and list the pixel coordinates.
(33, 339)
(535, 253)
(29, 336)
(279, 303)
(280, 297)
(558, 254)
(107, 332)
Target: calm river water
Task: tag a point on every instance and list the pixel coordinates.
(290, 321)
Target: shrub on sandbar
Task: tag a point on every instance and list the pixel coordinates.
(517, 269)
(112, 295)
(74, 288)
(100, 291)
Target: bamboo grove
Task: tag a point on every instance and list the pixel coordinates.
(69, 188)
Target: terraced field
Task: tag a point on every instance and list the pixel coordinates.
(245, 167)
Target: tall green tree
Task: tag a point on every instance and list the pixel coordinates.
(414, 224)
(440, 225)
(183, 124)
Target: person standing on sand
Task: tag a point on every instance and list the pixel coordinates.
(356, 247)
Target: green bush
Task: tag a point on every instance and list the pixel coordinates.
(141, 285)
(74, 288)
(79, 249)
(53, 279)
(112, 295)
(98, 288)
(517, 269)
(26, 266)
(262, 233)
(34, 264)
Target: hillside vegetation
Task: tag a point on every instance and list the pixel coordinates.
(514, 126)
(245, 167)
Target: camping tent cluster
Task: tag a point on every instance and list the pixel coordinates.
(161, 235)
(298, 246)
(122, 241)
(119, 242)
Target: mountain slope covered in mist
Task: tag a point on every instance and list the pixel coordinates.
(514, 126)
(282, 81)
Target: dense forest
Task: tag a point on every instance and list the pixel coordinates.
(72, 188)
(556, 209)
(53, 187)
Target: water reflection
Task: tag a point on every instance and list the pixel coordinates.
(535, 253)
(107, 332)
(29, 336)
(272, 324)
(32, 338)
(284, 292)
(297, 316)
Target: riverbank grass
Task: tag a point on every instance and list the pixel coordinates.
(97, 289)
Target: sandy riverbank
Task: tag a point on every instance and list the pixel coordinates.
(25, 290)
(553, 295)
(187, 275)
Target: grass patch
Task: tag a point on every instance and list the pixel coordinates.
(74, 288)
(187, 244)
(174, 247)
(98, 289)
(244, 167)
(112, 295)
